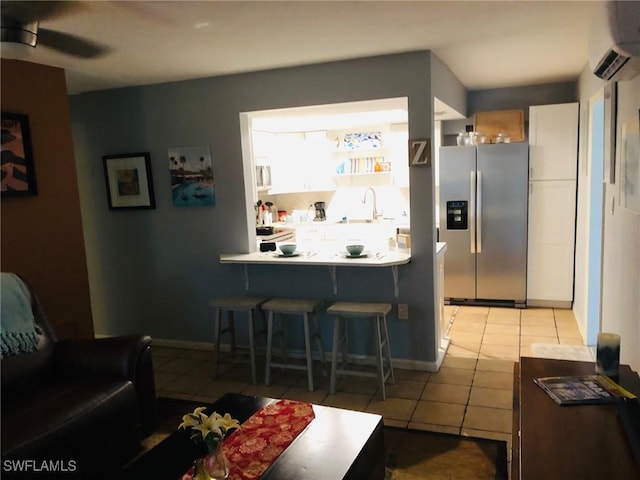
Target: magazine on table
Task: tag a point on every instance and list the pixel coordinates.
(582, 389)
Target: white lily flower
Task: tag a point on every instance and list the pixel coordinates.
(228, 423)
(212, 429)
(192, 419)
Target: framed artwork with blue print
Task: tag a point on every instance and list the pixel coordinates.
(191, 176)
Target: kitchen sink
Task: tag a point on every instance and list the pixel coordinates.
(360, 220)
(368, 220)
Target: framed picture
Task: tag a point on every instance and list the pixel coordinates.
(18, 173)
(630, 165)
(191, 173)
(129, 182)
(610, 113)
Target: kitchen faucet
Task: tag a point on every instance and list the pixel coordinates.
(375, 212)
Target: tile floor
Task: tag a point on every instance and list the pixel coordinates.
(470, 395)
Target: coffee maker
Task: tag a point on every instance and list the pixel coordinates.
(320, 212)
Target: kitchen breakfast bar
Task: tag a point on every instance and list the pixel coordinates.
(331, 256)
(330, 259)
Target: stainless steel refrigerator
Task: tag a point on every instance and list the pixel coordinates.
(483, 219)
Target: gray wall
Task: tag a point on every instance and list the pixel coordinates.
(513, 98)
(621, 232)
(155, 270)
(444, 86)
(521, 97)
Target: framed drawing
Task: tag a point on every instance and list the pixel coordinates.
(610, 113)
(129, 182)
(191, 173)
(18, 173)
(630, 165)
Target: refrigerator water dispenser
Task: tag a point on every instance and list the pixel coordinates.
(457, 215)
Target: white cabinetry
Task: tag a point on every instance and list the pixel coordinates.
(553, 131)
(553, 141)
(551, 238)
(313, 161)
(441, 322)
(263, 146)
(300, 163)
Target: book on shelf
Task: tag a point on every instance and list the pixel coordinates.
(582, 389)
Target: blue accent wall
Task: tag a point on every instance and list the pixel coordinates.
(156, 270)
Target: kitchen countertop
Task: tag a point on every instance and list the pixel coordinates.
(373, 259)
(327, 257)
(311, 257)
(331, 258)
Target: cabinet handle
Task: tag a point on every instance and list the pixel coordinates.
(530, 188)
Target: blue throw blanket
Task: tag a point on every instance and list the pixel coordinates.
(18, 330)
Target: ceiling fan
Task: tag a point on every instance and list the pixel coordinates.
(21, 24)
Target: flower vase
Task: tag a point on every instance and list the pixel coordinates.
(212, 467)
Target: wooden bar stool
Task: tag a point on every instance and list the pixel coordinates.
(371, 311)
(294, 307)
(232, 305)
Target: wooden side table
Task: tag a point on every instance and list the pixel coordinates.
(583, 441)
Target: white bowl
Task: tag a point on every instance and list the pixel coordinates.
(355, 249)
(288, 248)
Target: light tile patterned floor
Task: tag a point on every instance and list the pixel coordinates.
(470, 395)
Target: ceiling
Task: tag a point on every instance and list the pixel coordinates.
(486, 44)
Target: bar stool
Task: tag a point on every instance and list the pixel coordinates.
(291, 307)
(232, 305)
(372, 311)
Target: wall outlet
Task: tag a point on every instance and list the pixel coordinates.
(403, 311)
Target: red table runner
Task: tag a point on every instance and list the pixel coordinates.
(251, 449)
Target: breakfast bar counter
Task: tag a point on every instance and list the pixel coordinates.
(330, 259)
(377, 259)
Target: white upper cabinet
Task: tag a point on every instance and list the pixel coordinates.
(553, 141)
(263, 146)
(323, 160)
(300, 162)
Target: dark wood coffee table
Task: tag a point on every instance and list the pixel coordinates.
(583, 441)
(337, 444)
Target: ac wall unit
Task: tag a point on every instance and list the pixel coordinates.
(614, 40)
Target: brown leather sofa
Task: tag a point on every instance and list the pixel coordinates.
(75, 408)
